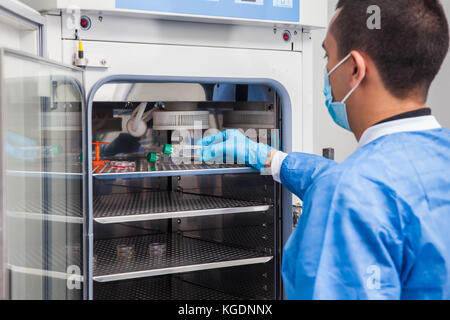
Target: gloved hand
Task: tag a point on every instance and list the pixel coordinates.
(21, 148)
(232, 144)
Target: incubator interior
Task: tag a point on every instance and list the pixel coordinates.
(166, 225)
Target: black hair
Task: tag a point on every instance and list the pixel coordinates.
(409, 47)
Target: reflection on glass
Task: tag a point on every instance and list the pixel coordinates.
(42, 144)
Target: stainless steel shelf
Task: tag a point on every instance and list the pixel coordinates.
(247, 282)
(29, 260)
(45, 217)
(159, 288)
(258, 238)
(183, 255)
(146, 170)
(132, 207)
(57, 210)
(46, 273)
(44, 175)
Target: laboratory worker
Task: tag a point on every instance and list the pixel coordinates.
(376, 226)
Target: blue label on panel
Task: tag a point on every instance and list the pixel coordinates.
(266, 10)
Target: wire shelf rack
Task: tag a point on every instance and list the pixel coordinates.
(145, 170)
(182, 255)
(144, 206)
(67, 210)
(258, 238)
(159, 288)
(29, 259)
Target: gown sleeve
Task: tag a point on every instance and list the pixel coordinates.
(299, 170)
(348, 244)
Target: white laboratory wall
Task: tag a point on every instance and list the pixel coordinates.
(327, 134)
(438, 99)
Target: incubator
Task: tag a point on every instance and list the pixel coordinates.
(150, 222)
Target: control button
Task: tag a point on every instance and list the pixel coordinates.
(85, 23)
(286, 36)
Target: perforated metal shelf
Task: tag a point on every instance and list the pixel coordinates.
(183, 255)
(45, 175)
(145, 170)
(258, 238)
(247, 282)
(119, 208)
(29, 259)
(56, 210)
(159, 288)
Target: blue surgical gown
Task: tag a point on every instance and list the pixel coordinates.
(376, 226)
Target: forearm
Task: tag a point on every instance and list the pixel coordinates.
(270, 158)
(297, 171)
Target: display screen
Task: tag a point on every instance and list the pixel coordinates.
(264, 10)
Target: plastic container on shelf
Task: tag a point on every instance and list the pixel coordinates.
(125, 251)
(157, 249)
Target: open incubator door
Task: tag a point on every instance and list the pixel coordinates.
(42, 176)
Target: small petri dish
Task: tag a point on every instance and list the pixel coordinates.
(157, 249)
(125, 251)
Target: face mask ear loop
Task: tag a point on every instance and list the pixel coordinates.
(339, 64)
(353, 90)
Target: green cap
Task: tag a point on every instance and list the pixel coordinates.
(152, 157)
(168, 149)
(81, 157)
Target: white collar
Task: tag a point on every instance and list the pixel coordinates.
(404, 125)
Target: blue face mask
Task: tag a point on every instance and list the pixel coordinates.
(337, 110)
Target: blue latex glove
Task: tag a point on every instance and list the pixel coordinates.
(21, 148)
(235, 146)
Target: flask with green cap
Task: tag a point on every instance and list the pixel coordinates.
(154, 157)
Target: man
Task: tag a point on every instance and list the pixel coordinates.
(377, 225)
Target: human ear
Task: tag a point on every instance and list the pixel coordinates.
(359, 67)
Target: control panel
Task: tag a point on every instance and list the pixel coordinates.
(265, 10)
(277, 13)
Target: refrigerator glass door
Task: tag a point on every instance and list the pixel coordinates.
(42, 105)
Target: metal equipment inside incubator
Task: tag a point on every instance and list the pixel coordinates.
(167, 226)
